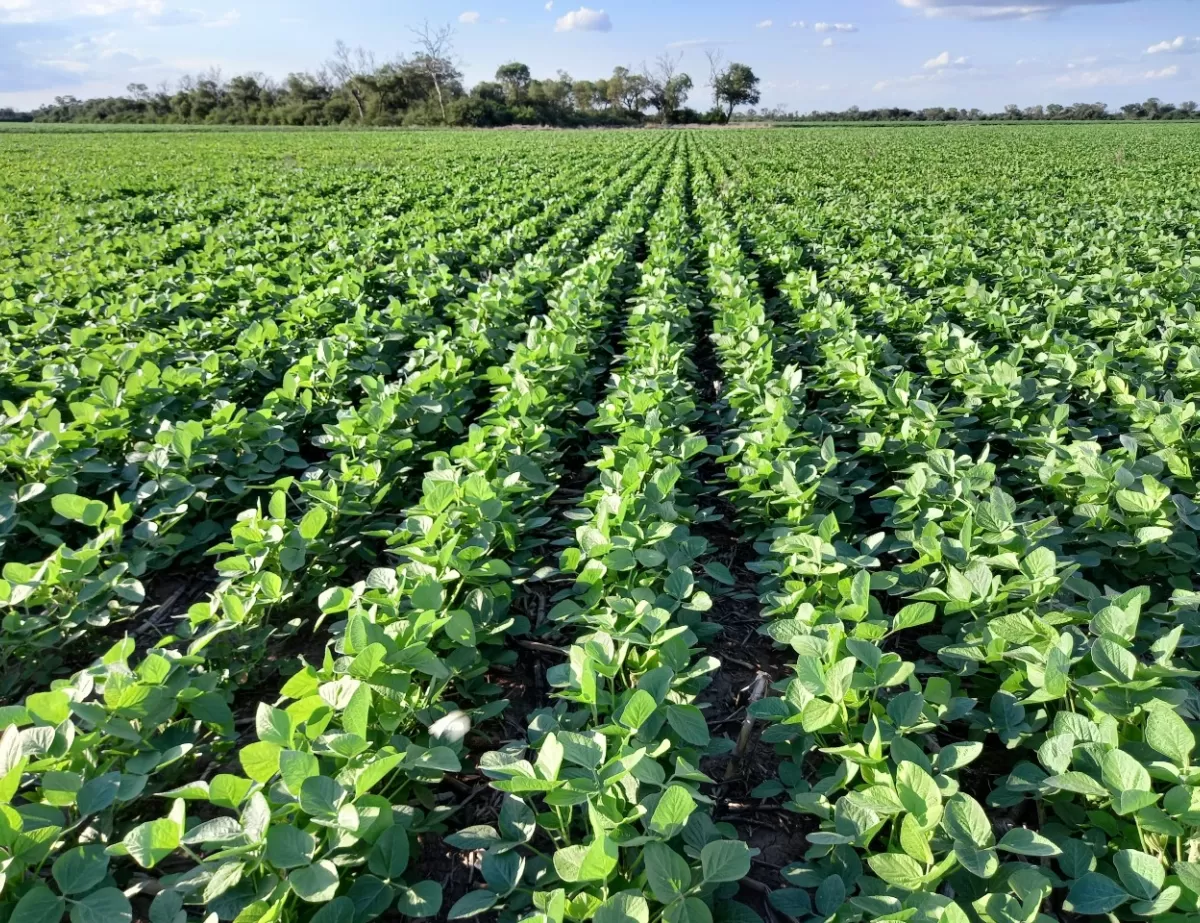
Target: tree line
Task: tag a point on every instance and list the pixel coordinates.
(1152, 109)
(425, 87)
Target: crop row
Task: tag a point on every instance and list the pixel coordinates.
(605, 814)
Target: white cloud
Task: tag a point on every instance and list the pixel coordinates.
(798, 24)
(549, 5)
(32, 11)
(691, 43)
(1112, 77)
(934, 70)
(470, 18)
(1181, 44)
(997, 9)
(102, 40)
(765, 24)
(836, 27)
(81, 65)
(151, 13)
(828, 43)
(944, 60)
(584, 19)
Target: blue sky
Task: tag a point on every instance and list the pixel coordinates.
(809, 53)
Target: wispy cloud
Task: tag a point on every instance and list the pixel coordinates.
(584, 19)
(933, 70)
(1181, 44)
(997, 9)
(32, 11)
(470, 18)
(764, 24)
(185, 16)
(1112, 77)
(152, 13)
(836, 27)
(692, 43)
(828, 43)
(945, 60)
(799, 24)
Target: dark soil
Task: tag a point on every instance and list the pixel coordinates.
(749, 664)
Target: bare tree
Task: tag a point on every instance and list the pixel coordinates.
(437, 45)
(351, 68)
(667, 88)
(716, 63)
(667, 66)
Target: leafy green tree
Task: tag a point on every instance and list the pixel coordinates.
(735, 85)
(515, 78)
(583, 93)
(667, 89)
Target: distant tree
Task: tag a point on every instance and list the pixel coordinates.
(600, 97)
(732, 86)
(548, 102)
(352, 69)
(583, 92)
(666, 88)
(436, 46)
(1088, 110)
(489, 90)
(1189, 107)
(246, 92)
(627, 90)
(614, 87)
(515, 78)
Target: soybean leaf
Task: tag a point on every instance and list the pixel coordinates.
(472, 904)
(424, 899)
(1095, 893)
(725, 860)
(1026, 842)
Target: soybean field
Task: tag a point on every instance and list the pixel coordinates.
(632, 526)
